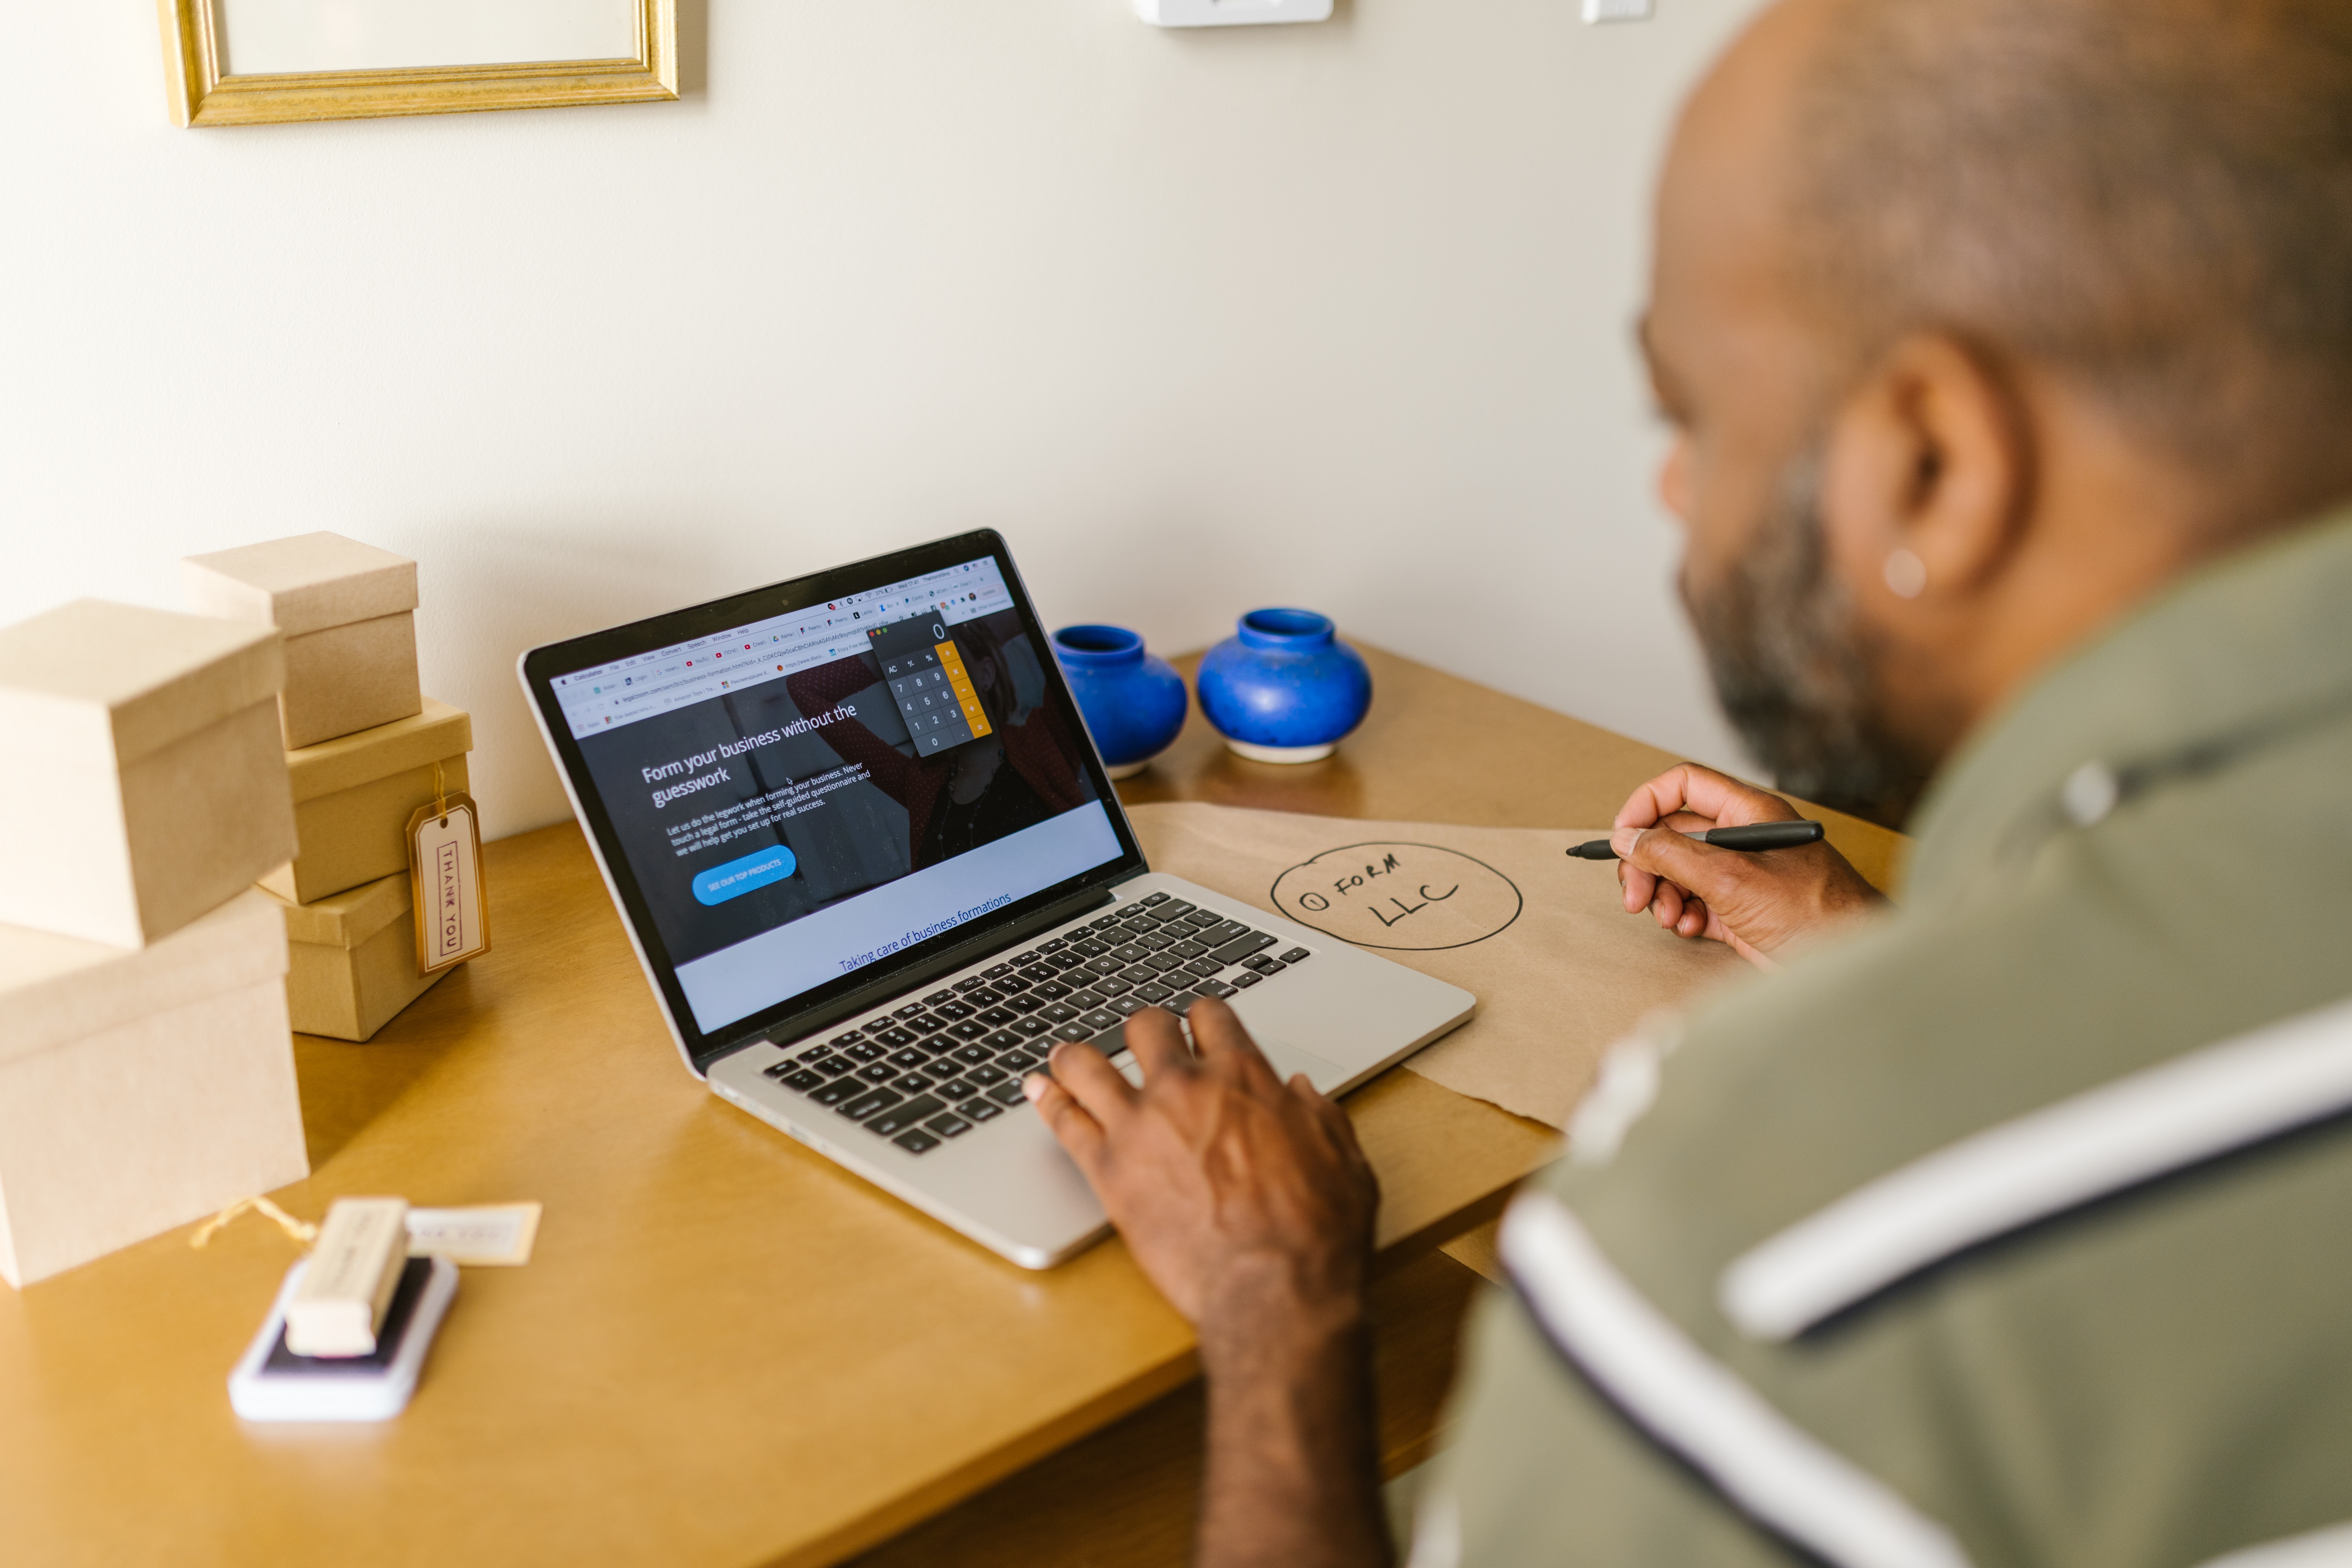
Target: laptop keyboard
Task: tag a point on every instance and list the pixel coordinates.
(939, 1068)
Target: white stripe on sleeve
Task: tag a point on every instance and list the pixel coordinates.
(1437, 1532)
(1774, 1471)
(2329, 1548)
(2155, 1120)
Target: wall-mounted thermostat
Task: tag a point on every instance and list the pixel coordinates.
(1617, 10)
(1229, 12)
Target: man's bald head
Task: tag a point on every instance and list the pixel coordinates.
(1979, 322)
(2152, 198)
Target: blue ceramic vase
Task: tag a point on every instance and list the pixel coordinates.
(1133, 703)
(1285, 690)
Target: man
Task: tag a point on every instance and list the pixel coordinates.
(2008, 345)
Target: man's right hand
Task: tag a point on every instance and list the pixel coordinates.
(1758, 904)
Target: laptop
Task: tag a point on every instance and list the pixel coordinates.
(874, 869)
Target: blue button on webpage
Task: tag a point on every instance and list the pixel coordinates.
(738, 877)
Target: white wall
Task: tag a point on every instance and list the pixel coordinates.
(1336, 315)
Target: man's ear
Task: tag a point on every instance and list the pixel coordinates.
(1927, 475)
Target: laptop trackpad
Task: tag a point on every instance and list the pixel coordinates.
(1289, 1060)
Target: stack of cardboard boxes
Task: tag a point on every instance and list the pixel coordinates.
(146, 1071)
(154, 767)
(363, 750)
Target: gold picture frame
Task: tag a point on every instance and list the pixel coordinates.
(201, 95)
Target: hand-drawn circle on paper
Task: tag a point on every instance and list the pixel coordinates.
(1414, 897)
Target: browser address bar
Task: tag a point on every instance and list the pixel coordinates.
(788, 652)
(679, 686)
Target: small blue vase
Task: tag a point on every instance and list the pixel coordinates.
(1133, 703)
(1285, 690)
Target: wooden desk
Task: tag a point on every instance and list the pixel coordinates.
(725, 1351)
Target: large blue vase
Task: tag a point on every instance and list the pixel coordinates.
(1284, 688)
(1133, 703)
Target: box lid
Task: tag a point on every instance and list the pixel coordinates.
(438, 734)
(306, 584)
(347, 918)
(140, 678)
(58, 989)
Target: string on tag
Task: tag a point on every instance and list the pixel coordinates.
(440, 795)
(302, 1231)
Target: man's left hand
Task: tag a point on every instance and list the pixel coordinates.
(1248, 1202)
(1235, 1192)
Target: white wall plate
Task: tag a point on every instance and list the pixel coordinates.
(1229, 12)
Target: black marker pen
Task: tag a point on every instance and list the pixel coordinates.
(1754, 838)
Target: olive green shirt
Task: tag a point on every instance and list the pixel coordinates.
(2148, 853)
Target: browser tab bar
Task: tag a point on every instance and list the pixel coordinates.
(646, 685)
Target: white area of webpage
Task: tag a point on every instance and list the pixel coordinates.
(761, 971)
(609, 696)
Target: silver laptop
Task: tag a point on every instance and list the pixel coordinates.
(869, 860)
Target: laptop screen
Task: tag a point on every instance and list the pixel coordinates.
(807, 793)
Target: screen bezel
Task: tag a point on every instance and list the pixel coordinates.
(854, 992)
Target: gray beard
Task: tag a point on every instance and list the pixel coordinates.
(1791, 669)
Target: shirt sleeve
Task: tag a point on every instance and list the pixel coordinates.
(1542, 1470)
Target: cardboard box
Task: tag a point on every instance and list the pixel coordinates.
(347, 610)
(353, 798)
(352, 959)
(140, 779)
(141, 1089)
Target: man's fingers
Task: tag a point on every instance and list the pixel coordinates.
(1701, 792)
(1099, 1087)
(1706, 872)
(1638, 886)
(1723, 799)
(1757, 903)
(1077, 1132)
(1158, 1041)
(1334, 1121)
(1221, 1039)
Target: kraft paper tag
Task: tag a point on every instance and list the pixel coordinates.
(491, 1233)
(444, 872)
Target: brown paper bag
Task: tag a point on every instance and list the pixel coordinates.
(1560, 970)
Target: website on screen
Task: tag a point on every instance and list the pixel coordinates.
(805, 796)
